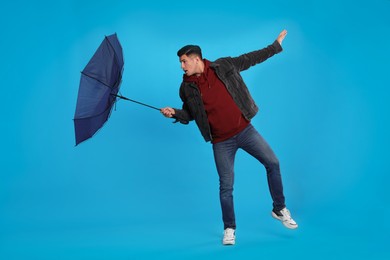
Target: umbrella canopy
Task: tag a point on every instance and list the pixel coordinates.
(99, 85)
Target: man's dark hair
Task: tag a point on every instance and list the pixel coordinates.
(190, 49)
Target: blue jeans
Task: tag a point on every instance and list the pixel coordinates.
(224, 153)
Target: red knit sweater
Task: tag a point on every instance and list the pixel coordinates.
(225, 118)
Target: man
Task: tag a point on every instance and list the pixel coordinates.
(216, 97)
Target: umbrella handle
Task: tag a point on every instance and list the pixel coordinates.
(128, 99)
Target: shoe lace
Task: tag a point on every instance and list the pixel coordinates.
(286, 214)
(229, 233)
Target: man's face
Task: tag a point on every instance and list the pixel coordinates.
(189, 64)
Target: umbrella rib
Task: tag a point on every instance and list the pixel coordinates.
(89, 76)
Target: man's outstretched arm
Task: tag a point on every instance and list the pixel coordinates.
(250, 59)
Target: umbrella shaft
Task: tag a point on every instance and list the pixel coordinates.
(128, 99)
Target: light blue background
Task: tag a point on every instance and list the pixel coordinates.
(146, 188)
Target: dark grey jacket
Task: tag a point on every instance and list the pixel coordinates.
(228, 71)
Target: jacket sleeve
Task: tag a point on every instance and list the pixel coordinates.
(247, 60)
(182, 115)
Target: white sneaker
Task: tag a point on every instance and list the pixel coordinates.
(285, 217)
(229, 237)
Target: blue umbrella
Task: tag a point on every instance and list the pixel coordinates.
(98, 91)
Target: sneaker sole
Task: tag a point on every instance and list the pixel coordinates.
(228, 243)
(284, 223)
